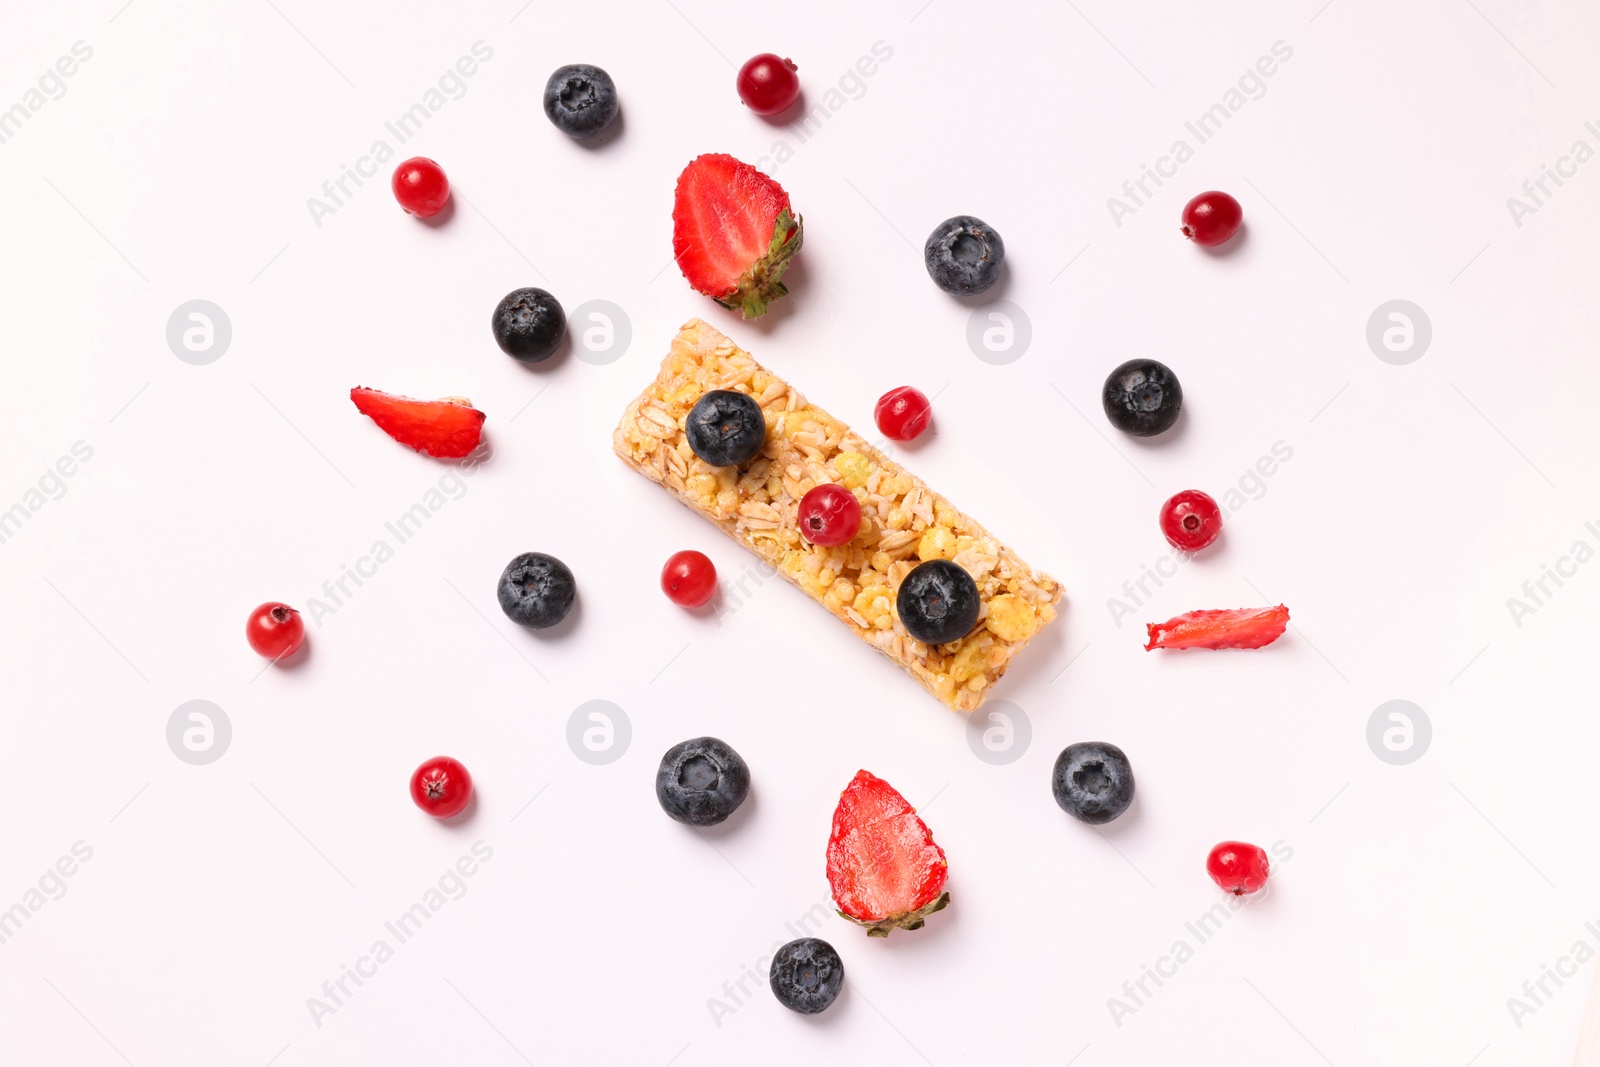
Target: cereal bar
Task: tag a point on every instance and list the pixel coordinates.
(903, 521)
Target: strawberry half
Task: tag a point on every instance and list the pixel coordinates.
(1230, 628)
(733, 233)
(883, 867)
(446, 429)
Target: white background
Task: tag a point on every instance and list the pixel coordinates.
(1418, 498)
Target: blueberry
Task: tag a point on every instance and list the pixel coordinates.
(1142, 397)
(1093, 781)
(529, 324)
(580, 99)
(807, 975)
(726, 428)
(702, 781)
(963, 255)
(938, 602)
(536, 590)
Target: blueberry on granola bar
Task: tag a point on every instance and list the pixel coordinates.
(726, 428)
(938, 602)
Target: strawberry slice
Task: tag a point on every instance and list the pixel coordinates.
(733, 232)
(1228, 628)
(446, 429)
(883, 866)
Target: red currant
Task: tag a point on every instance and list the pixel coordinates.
(421, 187)
(1238, 867)
(902, 413)
(830, 515)
(689, 578)
(441, 787)
(1211, 218)
(1191, 520)
(767, 83)
(275, 630)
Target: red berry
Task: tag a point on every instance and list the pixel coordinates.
(275, 630)
(689, 578)
(902, 413)
(441, 787)
(830, 515)
(1191, 520)
(767, 83)
(1211, 218)
(421, 187)
(1237, 867)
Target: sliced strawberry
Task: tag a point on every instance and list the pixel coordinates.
(1229, 628)
(447, 429)
(733, 232)
(883, 866)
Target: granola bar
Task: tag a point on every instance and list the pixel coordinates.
(904, 522)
